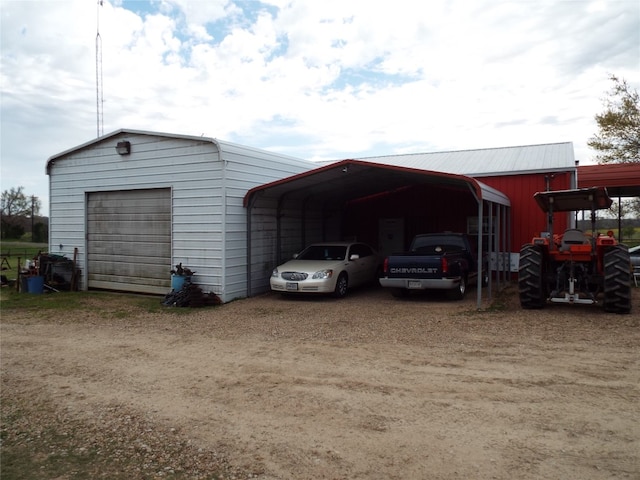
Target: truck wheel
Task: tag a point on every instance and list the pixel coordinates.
(530, 277)
(458, 292)
(341, 286)
(617, 280)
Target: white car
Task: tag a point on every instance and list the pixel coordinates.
(327, 268)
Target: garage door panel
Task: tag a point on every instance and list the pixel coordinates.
(116, 249)
(144, 273)
(129, 240)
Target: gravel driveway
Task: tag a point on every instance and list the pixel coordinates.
(367, 387)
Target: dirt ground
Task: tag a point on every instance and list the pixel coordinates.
(368, 387)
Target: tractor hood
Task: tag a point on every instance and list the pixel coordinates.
(594, 198)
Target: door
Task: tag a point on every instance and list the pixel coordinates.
(129, 240)
(390, 236)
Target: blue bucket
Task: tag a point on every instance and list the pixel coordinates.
(177, 281)
(36, 284)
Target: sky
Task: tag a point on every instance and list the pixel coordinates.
(319, 80)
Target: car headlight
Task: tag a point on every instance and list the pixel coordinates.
(275, 273)
(322, 274)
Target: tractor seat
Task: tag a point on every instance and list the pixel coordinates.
(573, 237)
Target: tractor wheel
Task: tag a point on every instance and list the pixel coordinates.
(530, 277)
(617, 280)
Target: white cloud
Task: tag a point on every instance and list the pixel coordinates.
(327, 79)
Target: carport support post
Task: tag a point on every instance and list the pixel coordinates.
(479, 284)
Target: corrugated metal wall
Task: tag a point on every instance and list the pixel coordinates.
(528, 220)
(208, 226)
(423, 209)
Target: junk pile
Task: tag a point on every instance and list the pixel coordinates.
(185, 293)
(182, 271)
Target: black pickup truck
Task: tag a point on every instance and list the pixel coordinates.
(443, 261)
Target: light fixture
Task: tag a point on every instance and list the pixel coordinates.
(123, 148)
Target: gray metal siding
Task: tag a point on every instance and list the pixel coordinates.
(190, 167)
(246, 168)
(208, 227)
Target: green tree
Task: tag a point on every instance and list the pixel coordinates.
(16, 207)
(618, 139)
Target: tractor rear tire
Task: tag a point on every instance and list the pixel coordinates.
(530, 277)
(617, 280)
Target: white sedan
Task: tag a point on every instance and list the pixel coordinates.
(327, 268)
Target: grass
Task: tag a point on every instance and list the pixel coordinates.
(17, 250)
(106, 304)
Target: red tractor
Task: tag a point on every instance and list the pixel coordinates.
(575, 267)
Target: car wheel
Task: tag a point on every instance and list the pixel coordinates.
(341, 286)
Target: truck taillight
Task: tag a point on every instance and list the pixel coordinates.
(385, 265)
(445, 265)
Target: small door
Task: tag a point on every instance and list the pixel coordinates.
(390, 236)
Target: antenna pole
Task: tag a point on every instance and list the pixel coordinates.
(99, 95)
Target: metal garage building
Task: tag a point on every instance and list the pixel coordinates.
(136, 203)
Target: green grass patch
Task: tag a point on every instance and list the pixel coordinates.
(106, 305)
(15, 251)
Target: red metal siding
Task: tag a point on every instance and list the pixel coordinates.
(424, 210)
(527, 220)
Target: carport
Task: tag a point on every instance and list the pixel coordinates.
(622, 180)
(285, 215)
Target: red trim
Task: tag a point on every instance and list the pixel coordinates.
(343, 163)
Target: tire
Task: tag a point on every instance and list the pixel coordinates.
(617, 280)
(342, 284)
(530, 277)
(458, 292)
(485, 275)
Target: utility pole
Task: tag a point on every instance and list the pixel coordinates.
(33, 214)
(99, 95)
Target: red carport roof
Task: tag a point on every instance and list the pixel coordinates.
(620, 179)
(352, 179)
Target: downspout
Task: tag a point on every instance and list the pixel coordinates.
(223, 229)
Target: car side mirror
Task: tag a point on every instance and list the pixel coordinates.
(354, 256)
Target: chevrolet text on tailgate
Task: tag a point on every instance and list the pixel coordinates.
(439, 261)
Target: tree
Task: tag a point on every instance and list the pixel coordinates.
(16, 207)
(618, 140)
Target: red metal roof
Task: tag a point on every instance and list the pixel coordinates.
(621, 179)
(352, 179)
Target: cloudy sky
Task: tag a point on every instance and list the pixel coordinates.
(326, 79)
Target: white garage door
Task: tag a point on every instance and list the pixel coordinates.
(129, 240)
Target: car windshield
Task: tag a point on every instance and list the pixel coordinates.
(323, 252)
